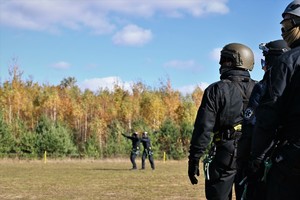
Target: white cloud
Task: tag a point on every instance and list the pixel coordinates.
(203, 85)
(95, 84)
(215, 54)
(216, 6)
(53, 15)
(97, 16)
(183, 64)
(132, 35)
(61, 65)
(188, 89)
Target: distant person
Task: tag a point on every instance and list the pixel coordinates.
(220, 115)
(147, 152)
(135, 151)
(256, 189)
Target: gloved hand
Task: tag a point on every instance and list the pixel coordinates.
(254, 171)
(193, 171)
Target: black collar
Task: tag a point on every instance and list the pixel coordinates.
(295, 44)
(236, 75)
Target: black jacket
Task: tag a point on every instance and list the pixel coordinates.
(244, 143)
(280, 105)
(146, 142)
(135, 141)
(222, 107)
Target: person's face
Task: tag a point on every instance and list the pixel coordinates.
(286, 25)
(289, 22)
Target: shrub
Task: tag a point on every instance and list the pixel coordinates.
(54, 138)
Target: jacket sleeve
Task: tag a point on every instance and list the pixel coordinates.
(204, 123)
(127, 136)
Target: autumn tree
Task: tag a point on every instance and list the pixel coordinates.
(197, 96)
(92, 122)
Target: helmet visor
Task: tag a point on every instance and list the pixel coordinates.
(263, 63)
(263, 47)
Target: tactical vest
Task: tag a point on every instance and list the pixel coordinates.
(232, 122)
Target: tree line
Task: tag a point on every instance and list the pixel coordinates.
(67, 122)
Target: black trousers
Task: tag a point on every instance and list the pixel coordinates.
(256, 190)
(281, 186)
(283, 180)
(149, 154)
(220, 184)
(133, 155)
(222, 172)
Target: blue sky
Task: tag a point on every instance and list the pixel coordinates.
(101, 42)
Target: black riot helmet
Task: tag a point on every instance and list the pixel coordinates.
(145, 134)
(271, 51)
(238, 55)
(135, 134)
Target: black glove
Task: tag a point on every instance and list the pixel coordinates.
(193, 170)
(254, 171)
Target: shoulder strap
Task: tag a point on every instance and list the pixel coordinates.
(245, 93)
(240, 89)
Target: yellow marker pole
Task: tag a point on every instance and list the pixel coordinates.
(45, 157)
(164, 156)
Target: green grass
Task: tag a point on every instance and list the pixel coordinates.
(96, 179)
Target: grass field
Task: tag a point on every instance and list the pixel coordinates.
(96, 179)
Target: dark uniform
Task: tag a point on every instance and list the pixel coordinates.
(278, 116)
(135, 151)
(256, 189)
(220, 114)
(147, 151)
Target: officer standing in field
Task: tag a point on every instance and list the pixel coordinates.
(147, 151)
(135, 151)
(278, 116)
(256, 189)
(220, 115)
